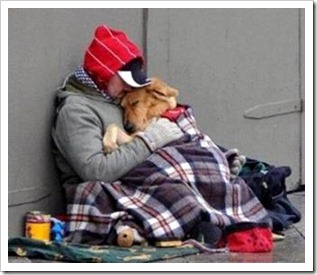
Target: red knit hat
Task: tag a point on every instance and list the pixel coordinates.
(108, 52)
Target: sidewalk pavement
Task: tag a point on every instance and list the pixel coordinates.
(289, 250)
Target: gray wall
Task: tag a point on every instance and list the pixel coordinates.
(225, 62)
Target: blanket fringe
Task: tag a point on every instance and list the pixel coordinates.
(204, 247)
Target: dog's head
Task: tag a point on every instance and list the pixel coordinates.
(143, 104)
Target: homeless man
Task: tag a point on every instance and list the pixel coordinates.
(168, 182)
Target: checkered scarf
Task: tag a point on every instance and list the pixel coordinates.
(84, 78)
(166, 196)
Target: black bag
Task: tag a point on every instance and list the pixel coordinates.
(268, 184)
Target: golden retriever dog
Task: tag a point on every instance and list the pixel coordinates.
(140, 106)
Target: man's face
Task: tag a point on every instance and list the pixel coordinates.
(117, 87)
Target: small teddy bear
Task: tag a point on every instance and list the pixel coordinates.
(127, 236)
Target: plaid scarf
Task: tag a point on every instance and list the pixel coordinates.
(178, 186)
(83, 77)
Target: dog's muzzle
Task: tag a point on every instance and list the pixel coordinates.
(129, 127)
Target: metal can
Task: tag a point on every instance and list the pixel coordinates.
(38, 225)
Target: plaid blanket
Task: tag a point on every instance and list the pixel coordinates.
(178, 186)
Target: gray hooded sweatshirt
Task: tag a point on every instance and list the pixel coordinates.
(82, 116)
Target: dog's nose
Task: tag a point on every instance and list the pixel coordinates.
(129, 127)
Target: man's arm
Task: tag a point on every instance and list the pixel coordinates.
(78, 137)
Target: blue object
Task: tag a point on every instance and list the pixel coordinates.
(57, 229)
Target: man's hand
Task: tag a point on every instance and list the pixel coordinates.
(160, 132)
(235, 160)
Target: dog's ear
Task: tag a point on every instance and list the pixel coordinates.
(123, 102)
(129, 100)
(164, 93)
(158, 94)
(160, 89)
(171, 92)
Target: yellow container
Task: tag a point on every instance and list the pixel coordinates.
(38, 226)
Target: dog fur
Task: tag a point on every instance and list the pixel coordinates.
(140, 106)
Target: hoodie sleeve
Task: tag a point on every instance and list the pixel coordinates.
(78, 137)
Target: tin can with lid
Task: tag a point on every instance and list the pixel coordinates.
(38, 225)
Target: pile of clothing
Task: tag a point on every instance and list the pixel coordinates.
(268, 183)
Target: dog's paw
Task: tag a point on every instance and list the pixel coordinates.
(110, 139)
(109, 146)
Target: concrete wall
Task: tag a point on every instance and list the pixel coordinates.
(224, 62)
(45, 45)
(239, 69)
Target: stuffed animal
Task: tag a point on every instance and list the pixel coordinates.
(127, 236)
